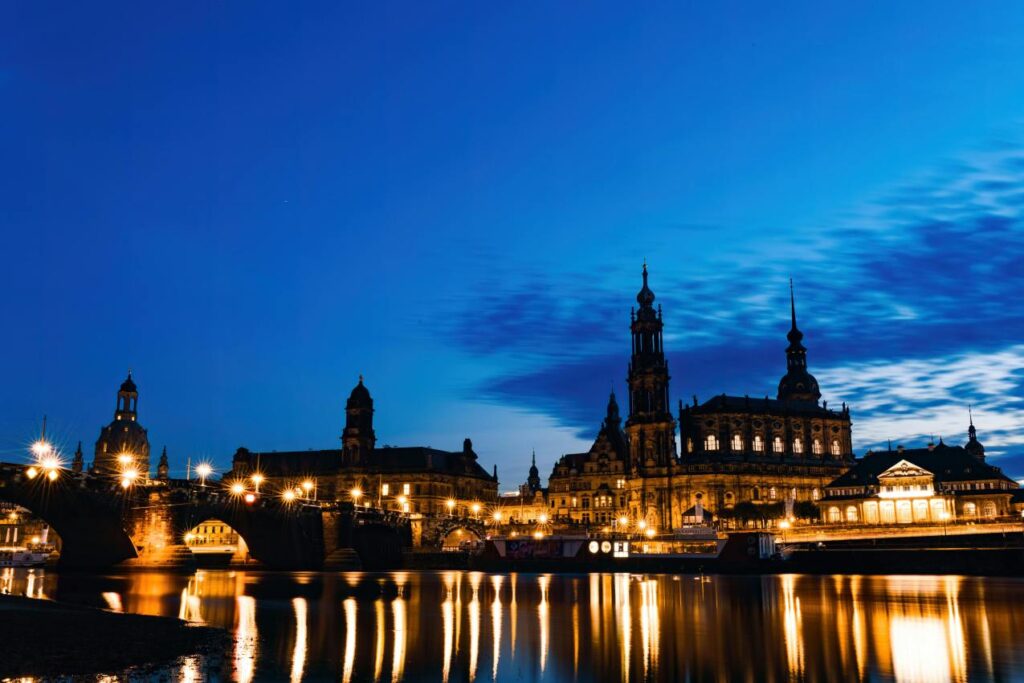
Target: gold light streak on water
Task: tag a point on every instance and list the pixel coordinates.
(544, 582)
(349, 607)
(245, 638)
(458, 612)
(299, 651)
(513, 615)
(448, 623)
(860, 631)
(7, 580)
(625, 626)
(955, 628)
(378, 659)
(474, 624)
(190, 672)
(650, 626)
(793, 626)
(398, 615)
(496, 582)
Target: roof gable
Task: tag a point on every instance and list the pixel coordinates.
(905, 469)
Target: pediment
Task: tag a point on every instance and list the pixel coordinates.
(905, 469)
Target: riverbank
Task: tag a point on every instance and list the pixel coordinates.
(44, 638)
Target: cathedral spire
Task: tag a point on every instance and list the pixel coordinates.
(797, 384)
(973, 446)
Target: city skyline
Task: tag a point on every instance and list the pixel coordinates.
(456, 205)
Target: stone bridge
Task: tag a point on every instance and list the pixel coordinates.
(431, 532)
(102, 524)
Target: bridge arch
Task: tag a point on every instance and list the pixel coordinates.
(450, 532)
(88, 515)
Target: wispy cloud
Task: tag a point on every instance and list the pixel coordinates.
(911, 309)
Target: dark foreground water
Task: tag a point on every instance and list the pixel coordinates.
(468, 626)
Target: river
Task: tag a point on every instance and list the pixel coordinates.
(469, 626)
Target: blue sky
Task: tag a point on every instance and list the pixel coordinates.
(250, 205)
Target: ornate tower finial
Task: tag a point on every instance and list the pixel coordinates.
(973, 446)
(792, 303)
(797, 384)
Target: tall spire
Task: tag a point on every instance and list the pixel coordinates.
(797, 384)
(795, 336)
(973, 446)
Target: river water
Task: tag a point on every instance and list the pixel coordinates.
(470, 626)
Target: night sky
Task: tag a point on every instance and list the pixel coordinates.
(251, 205)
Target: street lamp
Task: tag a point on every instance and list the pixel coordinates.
(288, 496)
(404, 502)
(944, 516)
(356, 494)
(257, 479)
(128, 477)
(784, 524)
(450, 504)
(543, 519)
(497, 516)
(307, 486)
(237, 488)
(31, 473)
(124, 459)
(476, 509)
(204, 470)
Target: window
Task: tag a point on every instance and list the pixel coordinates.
(815, 494)
(756, 494)
(834, 515)
(970, 509)
(835, 447)
(737, 442)
(711, 443)
(816, 447)
(405, 489)
(689, 445)
(620, 483)
(798, 445)
(758, 443)
(384, 489)
(772, 493)
(777, 445)
(851, 514)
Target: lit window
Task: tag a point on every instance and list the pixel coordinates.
(798, 445)
(689, 445)
(384, 489)
(405, 489)
(758, 444)
(816, 447)
(772, 493)
(711, 443)
(737, 442)
(777, 444)
(835, 447)
(815, 494)
(620, 483)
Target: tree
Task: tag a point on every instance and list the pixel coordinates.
(805, 509)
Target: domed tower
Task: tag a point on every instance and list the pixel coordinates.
(123, 444)
(650, 425)
(358, 439)
(797, 384)
(973, 446)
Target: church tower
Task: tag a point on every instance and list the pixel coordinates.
(797, 384)
(650, 427)
(533, 480)
(358, 439)
(973, 446)
(123, 444)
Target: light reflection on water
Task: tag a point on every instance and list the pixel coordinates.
(467, 626)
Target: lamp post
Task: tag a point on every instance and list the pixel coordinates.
(450, 504)
(784, 525)
(257, 479)
(356, 494)
(944, 516)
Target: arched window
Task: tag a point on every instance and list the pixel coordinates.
(777, 444)
(834, 515)
(815, 494)
(711, 443)
(772, 493)
(798, 445)
(758, 443)
(737, 442)
(756, 494)
(970, 509)
(816, 447)
(851, 514)
(989, 509)
(835, 447)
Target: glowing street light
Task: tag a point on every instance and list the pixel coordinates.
(52, 475)
(624, 521)
(288, 496)
(356, 494)
(450, 504)
(237, 488)
(128, 477)
(642, 524)
(543, 518)
(497, 516)
(189, 537)
(538, 534)
(257, 479)
(204, 470)
(250, 498)
(476, 509)
(650, 533)
(31, 473)
(41, 448)
(784, 525)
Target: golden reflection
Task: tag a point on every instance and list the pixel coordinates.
(625, 621)
(448, 622)
(544, 582)
(650, 627)
(7, 580)
(190, 672)
(299, 651)
(398, 654)
(378, 659)
(474, 624)
(955, 629)
(512, 615)
(496, 582)
(245, 638)
(191, 603)
(860, 632)
(793, 625)
(349, 606)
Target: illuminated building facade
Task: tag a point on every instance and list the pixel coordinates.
(930, 485)
(414, 479)
(123, 444)
(733, 449)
